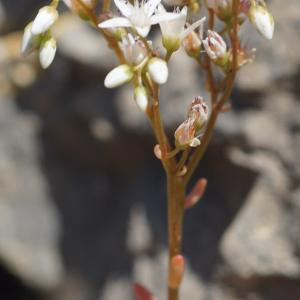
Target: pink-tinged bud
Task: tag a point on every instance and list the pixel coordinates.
(215, 46)
(192, 44)
(45, 18)
(244, 6)
(176, 271)
(141, 293)
(185, 134)
(141, 97)
(47, 52)
(262, 20)
(196, 194)
(188, 132)
(222, 8)
(158, 70)
(118, 76)
(198, 112)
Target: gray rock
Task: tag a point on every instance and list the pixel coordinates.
(29, 224)
(256, 243)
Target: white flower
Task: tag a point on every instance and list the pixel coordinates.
(140, 16)
(214, 45)
(141, 97)
(44, 20)
(47, 52)
(118, 76)
(263, 21)
(158, 70)
(30, 41)
(133, 49)
(174, 31)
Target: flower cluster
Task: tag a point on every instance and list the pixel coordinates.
(255, 10)
(145, 67)
(37, 35)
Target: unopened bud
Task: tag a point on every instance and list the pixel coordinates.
(192, 44)
(158, 70)
(176, 271)
(262, 20)
(198, 112)
(141, 97)
(222, 8)
(29, 41)
(47, 52)
(214, 45)
(45, 18)
(118, 76)
(185, 134)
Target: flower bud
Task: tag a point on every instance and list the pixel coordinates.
(45, 18)
(192, 44)
(29, 41)
(262, 20)
(188, 132)
(158, 70)
(185, 134)
(222, 8)
(216, 48)
(47, 52)
(198, 112)
(118, 76)
(141, 97)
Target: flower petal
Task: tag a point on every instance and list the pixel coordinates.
(151, 5)
(164, 17)
(143, 31)
(125, 7)
(193, 27)
(115, 22)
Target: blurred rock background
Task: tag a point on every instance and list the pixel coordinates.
(82, 207)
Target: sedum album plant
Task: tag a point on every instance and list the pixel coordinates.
(125, 24)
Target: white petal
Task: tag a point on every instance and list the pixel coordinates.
(164, 17)
(125, 7)
(118, 76)
(158, 70)
(44, 20)
(193, 27)
(184, 11)
(141, 97)
(29, 41)
(47, 52)
(264, 22)
(143, 31)
(195, 142)
(160, 9)
(115, 22)
(150, 6)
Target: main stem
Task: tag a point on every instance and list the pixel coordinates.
(176, 195)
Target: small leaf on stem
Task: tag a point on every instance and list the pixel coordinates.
(196, 194)
(176, 271)
(157, 151)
